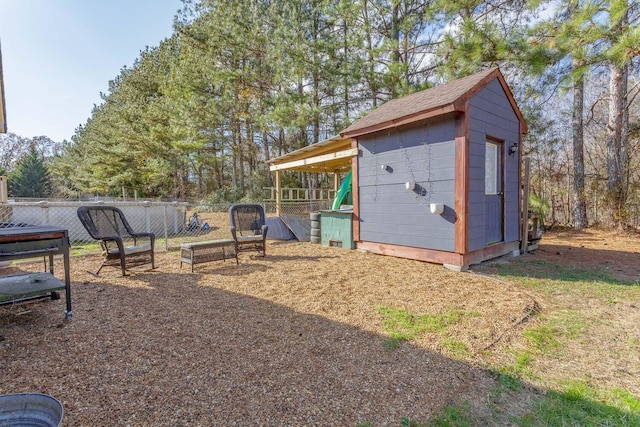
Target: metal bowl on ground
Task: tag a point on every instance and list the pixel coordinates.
(30, 410)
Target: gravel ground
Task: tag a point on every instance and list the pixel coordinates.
(291, 339)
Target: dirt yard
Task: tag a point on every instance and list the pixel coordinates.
(292, 339)
(617, 253)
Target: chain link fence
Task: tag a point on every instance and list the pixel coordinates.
(173, 223)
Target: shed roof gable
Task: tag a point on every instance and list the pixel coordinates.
(438, 100)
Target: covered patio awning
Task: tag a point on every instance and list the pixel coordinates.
(333, 155)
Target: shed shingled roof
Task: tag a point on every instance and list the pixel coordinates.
(437, 100)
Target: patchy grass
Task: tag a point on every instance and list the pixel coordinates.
(453, 415)
(83, 249)
(449, 416)
(582, 352)
(581, 405)
(455, 348)
(403, 325)
(543, 338)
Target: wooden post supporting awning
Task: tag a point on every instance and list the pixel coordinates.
(278, 194)
(333, 155)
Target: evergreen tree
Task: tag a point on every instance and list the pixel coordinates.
(623, 36)
(570, 37)
(30, 178)
(241, 82)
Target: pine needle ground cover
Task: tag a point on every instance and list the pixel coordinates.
(301, 337)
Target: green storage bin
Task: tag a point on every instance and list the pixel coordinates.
(336, 229)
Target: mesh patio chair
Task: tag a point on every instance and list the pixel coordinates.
(109, 225)
(248, 227)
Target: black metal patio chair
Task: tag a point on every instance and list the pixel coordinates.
(248, 227)
(109, 225)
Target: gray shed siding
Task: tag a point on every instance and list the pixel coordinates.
(389, 213)
(491, 116)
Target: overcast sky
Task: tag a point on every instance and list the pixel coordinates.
(58, 55)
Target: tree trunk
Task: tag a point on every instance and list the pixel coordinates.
(316, 78)
(624, 146)
(371, 75)
(346, 95)
(615, 185)
(302, 142)
(241, 156)
(579, 204)
(395, 46)
(234, 156)
(615, 154)
(265, 146)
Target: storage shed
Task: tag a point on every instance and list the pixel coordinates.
(436, 174)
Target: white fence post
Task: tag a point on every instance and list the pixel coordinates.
(3, 189)
(45, 211)
(146, 204)
(166, 234)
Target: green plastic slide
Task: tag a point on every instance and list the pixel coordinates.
(343, 195)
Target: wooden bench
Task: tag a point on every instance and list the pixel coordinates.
(212, 250)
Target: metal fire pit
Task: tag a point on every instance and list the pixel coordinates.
(30, 410)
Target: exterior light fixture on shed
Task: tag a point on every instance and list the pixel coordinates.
(436, 208)
(513, 149)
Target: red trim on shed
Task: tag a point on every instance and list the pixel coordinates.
(461, 200)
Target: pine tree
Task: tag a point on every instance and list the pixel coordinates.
(624, 38)
(574, 35)
(30, 178)
(564, 46)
